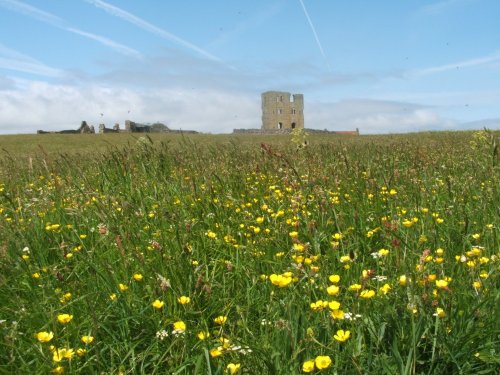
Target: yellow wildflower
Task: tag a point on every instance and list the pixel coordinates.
(63, 353)
(333, 305)
(157, 304)
(384, 289)
(87, 339)
(342, 335)
(215, 352)
(211, 234)
(322, 362)
(122, 287)
(442, 284)
(383, 252)
(280, 280)
(334, 279)
(408, 223)
(202, 335)
(333, 290)
(484, 275)
(440, 312)
(403, 280)
(355, 287)
(64, 318)
(308, 366)
(220, 320)
(367, 294)
(337, 236)
(44, 336)
(179, 327)
(318, 305)
(337, 314)
(183, 300)
(233, 368)
(298, 247)
(58, 370)
(345, 259)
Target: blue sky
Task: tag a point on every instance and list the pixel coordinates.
(380, 66)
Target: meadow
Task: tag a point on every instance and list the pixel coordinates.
(123, 254)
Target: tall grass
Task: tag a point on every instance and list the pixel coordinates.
(392, 239)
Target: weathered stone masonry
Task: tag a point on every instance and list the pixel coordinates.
(282, 110)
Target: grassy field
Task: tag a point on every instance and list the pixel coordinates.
(122, 254)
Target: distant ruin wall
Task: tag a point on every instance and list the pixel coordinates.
(288, 131)
(83, 129)
(262, 131)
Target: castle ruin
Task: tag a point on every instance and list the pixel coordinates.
(282, 111)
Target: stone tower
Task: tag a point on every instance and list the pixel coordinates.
(281, 110)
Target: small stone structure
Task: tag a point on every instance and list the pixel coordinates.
(133, 127)
(103, 129)
(282, 110)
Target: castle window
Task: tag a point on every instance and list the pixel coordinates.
(280, 111)
(280, 125)
(292, 98)
(293, 125)
(293, 111)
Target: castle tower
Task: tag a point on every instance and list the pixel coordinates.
(281, 110)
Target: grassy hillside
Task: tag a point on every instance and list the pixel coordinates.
(220, 254)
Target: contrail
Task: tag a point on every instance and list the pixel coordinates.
(107, 42)
(315, 35)
(459, 65)
(33, 12)
(139, 22)
(55, 21)
(14, 60)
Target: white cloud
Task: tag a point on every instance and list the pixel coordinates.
(374, 116)
(40, 105)
(6, 83)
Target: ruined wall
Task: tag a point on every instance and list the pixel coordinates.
(281, 110)
(289, 131)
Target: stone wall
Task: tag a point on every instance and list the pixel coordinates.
(288, 131)
(262, 131)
